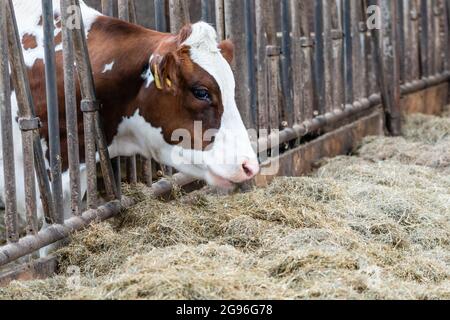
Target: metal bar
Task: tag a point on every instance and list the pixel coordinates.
(446, 34)
(236, 32)
(319, 59)
(348, 52)
(11, 219)
(307, 43)
(132, 11)
(125, 14)
(415, 45)
(424, 38)
(286, 64)
(251, 68)
(123, 8)
(401, 43)
(220, 18)
(328, 53)
(179, 15)
(206, 11)
(388, 65)
(330, 118)
(71, 111)
(57, 232)
(160, 15)
(85, 79)
(131, 170)
(107, 7)
(92, 122)
(30, 139)
(147, 170)
(337, 74)
(52, 110)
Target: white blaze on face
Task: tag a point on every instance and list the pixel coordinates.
(232, 147)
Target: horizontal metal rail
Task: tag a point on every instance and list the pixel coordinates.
(311, 126)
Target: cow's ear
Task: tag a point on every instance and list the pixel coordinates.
(164, 70)
(227, 49)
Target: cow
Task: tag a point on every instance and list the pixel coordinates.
(160, 94)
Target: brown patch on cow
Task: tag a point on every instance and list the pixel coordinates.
(58, 37)
(123, 91)
(29, 41)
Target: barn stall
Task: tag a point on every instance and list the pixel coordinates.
(370, 225)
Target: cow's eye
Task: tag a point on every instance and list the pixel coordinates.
(201, 94)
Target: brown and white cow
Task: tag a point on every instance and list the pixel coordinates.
(156, 90)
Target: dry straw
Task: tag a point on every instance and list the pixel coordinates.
(373, 225)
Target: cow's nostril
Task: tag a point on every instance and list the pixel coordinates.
(249, 171)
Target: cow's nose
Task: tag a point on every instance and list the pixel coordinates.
(250, 168)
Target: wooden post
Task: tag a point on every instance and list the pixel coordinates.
(268, 58)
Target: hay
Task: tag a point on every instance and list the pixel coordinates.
(375, 225)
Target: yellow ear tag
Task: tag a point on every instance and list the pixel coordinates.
(157, 79)
(169, 83)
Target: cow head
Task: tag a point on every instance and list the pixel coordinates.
(187, 115)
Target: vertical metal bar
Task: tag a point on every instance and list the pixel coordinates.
(206, 11)
(131, 170)
(357, 58)
(327, 57)
(31, 141)
(251, 69)
(424, 38)
(124, 14)
(263, 116)
(179, 15)
(220, 18)
(123, 10)
(87, 86)
(414, 36)
(432, 37)
(337, 55)
(9, 176)
(402, 34)
(132, 11)
(438, 55)
(84, 73)
(388, 65)
(446, 34)
(234, 11)
(319, 62)
(71, 111)
(348, 51)
(286, 64)
(160, 15)
(108, 7)
(52, 110)
(147, 169)
(297, 92)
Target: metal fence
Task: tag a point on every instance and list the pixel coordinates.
(300, 66)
